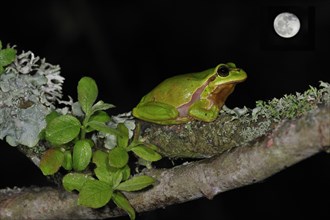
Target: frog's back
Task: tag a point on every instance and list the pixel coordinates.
(179, 89)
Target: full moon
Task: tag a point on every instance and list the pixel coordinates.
(286, 24)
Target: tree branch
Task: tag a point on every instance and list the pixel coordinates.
(289, 142)
(241, 147)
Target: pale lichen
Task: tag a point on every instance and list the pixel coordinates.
(293, 105)
(288, 107)
(29, 89)
(109, 140)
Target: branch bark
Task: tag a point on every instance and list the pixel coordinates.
(289, 142)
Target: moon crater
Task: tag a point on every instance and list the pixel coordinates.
(286, 24)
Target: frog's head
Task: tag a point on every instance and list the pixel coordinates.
(222, 84)
(228, 73)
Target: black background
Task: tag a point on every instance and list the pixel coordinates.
(130, 46)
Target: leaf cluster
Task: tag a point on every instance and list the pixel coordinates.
(77, 154)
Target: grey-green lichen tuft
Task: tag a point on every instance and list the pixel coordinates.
(292, 106)
(288, 107)
(29, 88)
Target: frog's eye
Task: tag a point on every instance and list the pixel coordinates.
(223, 71)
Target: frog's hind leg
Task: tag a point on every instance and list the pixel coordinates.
(155, 112)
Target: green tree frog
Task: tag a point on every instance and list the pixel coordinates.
(192, 96)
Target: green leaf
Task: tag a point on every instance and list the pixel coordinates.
(95, 194)
(51, 161)
(118, 157)
(82, 154)
(87, 93)
(121, 201)
(75, 181)
(100, 105)
(51, 116)
(136, 183)
(100, 158)
(151, 146)
(62, 129)
(103, 174)
(146, 153)
(99, 116)
(122, 139)
(117, 177)
(100, 126)
(126, 171)
(90, 141)
(102, 170)
(108, 174)
(67, 162)
(7, 56)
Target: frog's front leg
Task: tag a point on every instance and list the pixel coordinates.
(200, 110)
(156, 112)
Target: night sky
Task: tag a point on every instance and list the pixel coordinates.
(128, 47)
